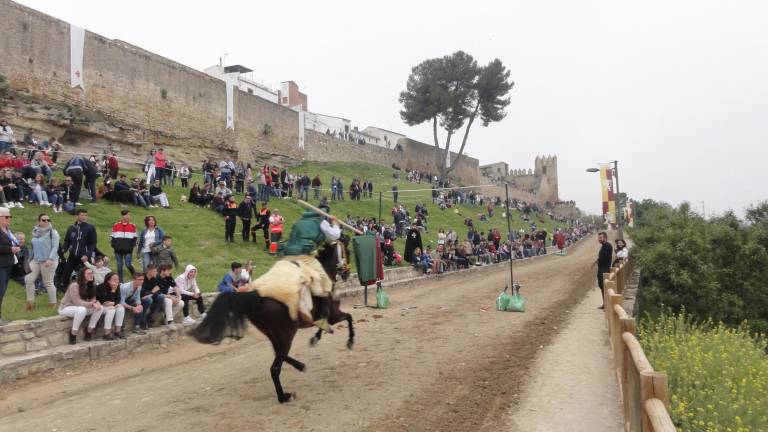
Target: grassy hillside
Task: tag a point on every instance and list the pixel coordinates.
(198, 234)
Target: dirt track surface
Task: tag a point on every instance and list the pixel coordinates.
(432, 361)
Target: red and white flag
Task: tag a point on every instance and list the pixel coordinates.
(76, 46)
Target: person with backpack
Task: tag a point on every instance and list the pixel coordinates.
(75, 168)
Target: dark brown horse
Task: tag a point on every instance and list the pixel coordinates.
(226, 318)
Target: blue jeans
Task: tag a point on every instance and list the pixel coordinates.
(5, 146)
(138, 319)
(303, 193)
(124, 259)
(151, 305)
(260, 193)
(146, 259)
(5, 275)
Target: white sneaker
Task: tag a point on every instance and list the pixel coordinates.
(202, 316)
(188, 321)
(19, 205)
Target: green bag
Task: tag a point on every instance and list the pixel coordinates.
(516, 303)
(382, 299)
(502, 300)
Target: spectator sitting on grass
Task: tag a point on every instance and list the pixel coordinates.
(164, 254)
(157, 194)
(228, 283)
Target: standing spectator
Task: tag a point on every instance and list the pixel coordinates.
(130, 298)
(91, 172)
(230, 219)
(303, 187)
(246, 210)
(159, 161)
(186, 283)
(339, 189)
(113, 167)
(151, 235)
(80, 243)
(316, 184)
(276, 230)
(164, 254)
(45, 259)
(108, 294)
(603, 262)
(123, 240)
(394, 193)
(9, 247)
(7, 139)
(263, 182)
(262, 219)
(370, 189)
(75, 169)
(56, 148)
(184, 176)
(100, 269)
(80, 301)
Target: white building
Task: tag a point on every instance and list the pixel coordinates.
(237, 73)
(322, 123)
(385, 138)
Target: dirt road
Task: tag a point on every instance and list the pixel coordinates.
(433, 361)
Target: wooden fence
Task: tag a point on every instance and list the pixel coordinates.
(644, 392)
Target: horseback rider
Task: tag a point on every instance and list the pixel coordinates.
(307, 235)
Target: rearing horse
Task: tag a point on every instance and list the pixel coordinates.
(226, 318)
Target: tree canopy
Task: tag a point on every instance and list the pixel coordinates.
(452, 91)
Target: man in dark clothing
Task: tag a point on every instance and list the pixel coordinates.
(604, 258)
(245, 211)
(262, 222)
(80, 242)
(75, 168)
(394, 193)
(91, 172)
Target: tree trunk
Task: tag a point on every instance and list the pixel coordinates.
(464, 141)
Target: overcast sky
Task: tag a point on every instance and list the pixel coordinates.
(677, 91)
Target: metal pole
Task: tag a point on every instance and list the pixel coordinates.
(619, 211)
(509, 238)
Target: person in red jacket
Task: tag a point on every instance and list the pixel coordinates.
(113, 167)
(123, 240)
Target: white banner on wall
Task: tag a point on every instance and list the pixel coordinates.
(301, 129)
(76, 46)
(448, 159)
(230, 104)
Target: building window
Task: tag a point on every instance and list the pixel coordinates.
(285, 100)
(250, 91)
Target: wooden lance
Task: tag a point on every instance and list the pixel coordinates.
(322, 213)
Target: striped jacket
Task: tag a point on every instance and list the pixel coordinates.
(123, 237)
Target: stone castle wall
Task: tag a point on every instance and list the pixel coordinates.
(134, 100)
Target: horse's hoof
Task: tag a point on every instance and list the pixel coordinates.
(287, 397)
(313, 341)
(350, 344)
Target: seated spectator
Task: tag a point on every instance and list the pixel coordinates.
(125, 192)
(220, 195)
(228, 283)
(80, 301)
(622, 253)
(100, 269)
(39, 193)
(54, 191)
(108, 294)
(186, 283)
(151, 297)
(167, 284)
(158, 196)
(164, 254)
(130, 298)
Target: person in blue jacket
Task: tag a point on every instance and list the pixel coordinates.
(228, 283)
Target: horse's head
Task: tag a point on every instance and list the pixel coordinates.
(331, 261)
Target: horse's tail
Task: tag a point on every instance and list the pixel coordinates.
(226, 317)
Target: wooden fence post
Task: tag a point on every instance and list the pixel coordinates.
(608, 284)
(628, 325)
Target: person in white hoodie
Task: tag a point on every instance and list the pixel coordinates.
(186, 283)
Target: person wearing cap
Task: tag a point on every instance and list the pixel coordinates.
(7, 139)
(9, 247)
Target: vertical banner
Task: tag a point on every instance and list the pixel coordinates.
(609, 199)
(76, 46)
(448, 159)
(230, 104)
(301, 129)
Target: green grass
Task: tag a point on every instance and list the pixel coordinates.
(198, 234)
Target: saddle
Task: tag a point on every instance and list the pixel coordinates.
(293, 281)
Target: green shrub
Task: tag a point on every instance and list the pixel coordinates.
(718, 375)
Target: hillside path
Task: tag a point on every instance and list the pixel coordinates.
(572, 385)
